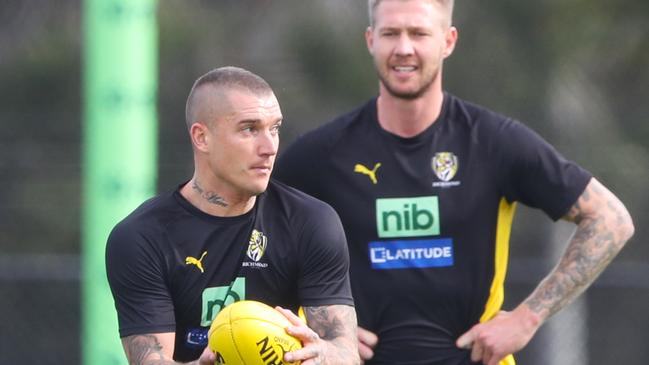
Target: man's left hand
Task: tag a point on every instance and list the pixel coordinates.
(313, 347)
(207, 357)
(506, 333)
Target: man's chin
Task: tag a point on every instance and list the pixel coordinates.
(258, 188)
(406, 93)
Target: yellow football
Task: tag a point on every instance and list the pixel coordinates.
(251, 333)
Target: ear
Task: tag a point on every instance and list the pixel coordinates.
(369, 39)
(200, 136)
(451, 40)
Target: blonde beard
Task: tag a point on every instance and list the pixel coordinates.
(408, 95)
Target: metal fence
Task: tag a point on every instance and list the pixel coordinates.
(608, 325)
(571, 74)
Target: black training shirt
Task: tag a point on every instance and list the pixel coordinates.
(171, 266)
(428, 218)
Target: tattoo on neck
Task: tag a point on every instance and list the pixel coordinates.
(210, 196)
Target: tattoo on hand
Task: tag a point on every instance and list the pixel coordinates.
(210, 196)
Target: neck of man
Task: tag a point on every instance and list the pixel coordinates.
(213, 198)
(409, 117)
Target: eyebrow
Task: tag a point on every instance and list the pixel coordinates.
(257, 121)
(249, 121)
(407, 28)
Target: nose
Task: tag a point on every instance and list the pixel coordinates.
(268, 143)
(404, 46)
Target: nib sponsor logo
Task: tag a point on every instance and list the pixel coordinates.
(407, 217)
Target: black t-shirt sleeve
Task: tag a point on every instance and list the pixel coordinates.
(136, 278)
(324, 276)
(536, 174)
(296, 166)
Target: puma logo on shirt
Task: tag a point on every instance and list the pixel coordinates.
(361, 169)
(197, 262)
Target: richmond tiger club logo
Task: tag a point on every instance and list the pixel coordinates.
(256, 249)
(445, 165)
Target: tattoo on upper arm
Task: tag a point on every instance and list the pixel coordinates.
(576, 211)
(144, 350)
(603, 227)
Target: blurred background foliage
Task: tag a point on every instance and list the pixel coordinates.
(576, 71)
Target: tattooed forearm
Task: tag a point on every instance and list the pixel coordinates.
(147, 350)
(603, 227)
(324, 323)
(210, 196)
(336, 325)
(589, 252)
(143, 349)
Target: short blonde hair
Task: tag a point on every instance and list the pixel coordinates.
(373, 4)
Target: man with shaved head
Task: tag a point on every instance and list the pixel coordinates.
(229, 234)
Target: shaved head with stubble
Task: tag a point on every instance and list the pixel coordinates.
(233, 120)
(209, 97)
